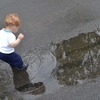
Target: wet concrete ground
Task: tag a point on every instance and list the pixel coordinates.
(67, 63)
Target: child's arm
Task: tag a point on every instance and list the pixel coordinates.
(17, 41)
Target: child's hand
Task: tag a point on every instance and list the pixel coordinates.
(20, 36)
(17, 41)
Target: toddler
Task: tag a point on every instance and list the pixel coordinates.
(8, 42)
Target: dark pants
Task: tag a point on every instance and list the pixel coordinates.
(13, 59)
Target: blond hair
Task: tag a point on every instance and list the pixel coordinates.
(12, 20)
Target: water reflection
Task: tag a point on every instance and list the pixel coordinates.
(78, 59)
(23, 84)
(29, 82)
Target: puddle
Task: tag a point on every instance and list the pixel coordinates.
(67, 63)
(42, 63)
(32, 82)
(78, 59)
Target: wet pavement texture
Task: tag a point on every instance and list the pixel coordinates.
(62, 47)
(71, 63)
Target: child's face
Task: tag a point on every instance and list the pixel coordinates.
(15, 29)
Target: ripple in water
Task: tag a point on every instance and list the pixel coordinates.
(41, 64)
